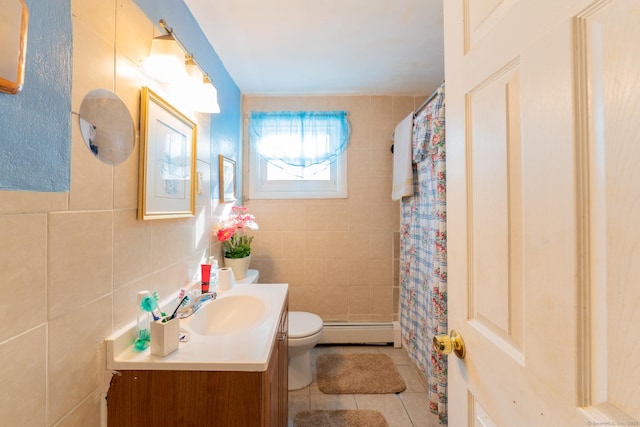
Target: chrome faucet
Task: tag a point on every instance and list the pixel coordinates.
(197, 303)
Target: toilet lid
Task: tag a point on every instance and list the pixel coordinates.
(303, 324)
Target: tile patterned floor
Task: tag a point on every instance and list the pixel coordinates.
(406, 409)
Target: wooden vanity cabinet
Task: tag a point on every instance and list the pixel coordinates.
(275, 393)
(140, 398)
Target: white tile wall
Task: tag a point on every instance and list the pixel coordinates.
(337, 255)
(72, 263)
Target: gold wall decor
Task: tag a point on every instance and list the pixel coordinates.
(13, 44)
(227, 179)
(167, 160)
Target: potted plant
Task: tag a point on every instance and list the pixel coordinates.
(236, 244)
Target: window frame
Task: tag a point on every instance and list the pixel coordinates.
(261, 188)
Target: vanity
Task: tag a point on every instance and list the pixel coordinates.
(231, 372)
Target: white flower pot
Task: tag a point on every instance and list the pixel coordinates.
(239, 266)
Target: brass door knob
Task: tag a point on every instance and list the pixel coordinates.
(445, 344)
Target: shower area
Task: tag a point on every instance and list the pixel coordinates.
(423, 250)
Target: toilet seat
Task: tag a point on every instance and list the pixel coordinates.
(302, 324)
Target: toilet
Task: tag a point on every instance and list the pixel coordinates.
(305, 331)
(252, 276)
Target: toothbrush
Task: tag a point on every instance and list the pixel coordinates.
(156, 296)
(149, 304)
(183, 302)
(181, 297)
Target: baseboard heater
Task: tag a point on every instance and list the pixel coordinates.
(361, 333)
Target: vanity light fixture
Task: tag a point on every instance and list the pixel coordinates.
(166, 61)
(195, 85)
(199, 89)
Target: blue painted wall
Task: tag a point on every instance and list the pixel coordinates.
(225, 126)
(35, 125)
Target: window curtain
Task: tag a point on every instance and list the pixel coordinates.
(299, 138)
(423, 253)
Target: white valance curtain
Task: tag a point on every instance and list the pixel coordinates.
(299, 138)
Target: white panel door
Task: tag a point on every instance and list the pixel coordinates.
(543, 200)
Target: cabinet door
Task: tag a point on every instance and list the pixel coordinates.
(188, 399)
(270, 391)
(283, 362)
(275, 390)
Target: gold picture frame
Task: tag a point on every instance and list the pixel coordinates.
(227, 179)
(167, 176)
(13, 44)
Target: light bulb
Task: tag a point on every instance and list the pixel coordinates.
(166, 61)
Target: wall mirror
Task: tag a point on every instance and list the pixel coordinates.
(107, 126)
(13, 44)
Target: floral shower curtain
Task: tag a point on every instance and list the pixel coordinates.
(423, 252)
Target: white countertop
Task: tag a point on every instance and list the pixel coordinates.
(246, 350)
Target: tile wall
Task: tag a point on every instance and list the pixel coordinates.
(339, 256)
(73, 262)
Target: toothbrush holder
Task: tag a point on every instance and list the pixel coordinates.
(165, 336)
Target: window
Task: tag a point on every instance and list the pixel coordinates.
(298, 154)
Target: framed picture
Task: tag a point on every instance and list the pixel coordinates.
(167, 160)
(13, 44)
(227, 179)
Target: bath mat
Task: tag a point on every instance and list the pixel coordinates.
(340, 418)
(358, 373)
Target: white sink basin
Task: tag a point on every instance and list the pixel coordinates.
(236, 333)
(229, 314)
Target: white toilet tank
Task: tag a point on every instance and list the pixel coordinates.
(251, 277)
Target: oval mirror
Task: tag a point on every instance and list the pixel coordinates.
(107, 126)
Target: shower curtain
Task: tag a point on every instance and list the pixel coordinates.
(423, 252)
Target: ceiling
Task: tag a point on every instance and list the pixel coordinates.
(286, 47)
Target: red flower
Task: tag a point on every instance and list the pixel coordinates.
(225, 234)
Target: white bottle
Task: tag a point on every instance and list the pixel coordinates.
(214, 271)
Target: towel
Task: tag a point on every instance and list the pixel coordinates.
(402, 169)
